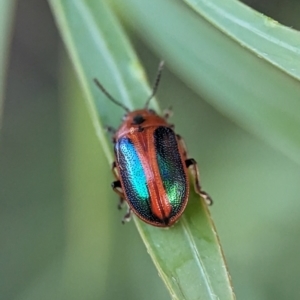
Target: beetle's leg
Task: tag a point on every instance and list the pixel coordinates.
(127, 217)
(121, 203)
(191, 163)
(116, 185)
(167, 113)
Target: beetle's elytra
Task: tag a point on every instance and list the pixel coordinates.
(151, 165)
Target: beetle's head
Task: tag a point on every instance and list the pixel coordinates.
(138, 117)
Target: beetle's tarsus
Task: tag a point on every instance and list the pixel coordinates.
(127, 217)
(206, 198)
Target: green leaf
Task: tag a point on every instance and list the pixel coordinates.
(6, 18)
(188, 255)
(243, 63)
(268, 39)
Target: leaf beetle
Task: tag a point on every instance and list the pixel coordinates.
(151, 164)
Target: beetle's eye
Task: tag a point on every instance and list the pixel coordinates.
(138, 119)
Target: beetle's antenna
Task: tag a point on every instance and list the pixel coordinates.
(109, 96)
(156, 83)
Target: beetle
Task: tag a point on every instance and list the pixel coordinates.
(151, 164)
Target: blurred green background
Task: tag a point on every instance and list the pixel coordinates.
(61, 235)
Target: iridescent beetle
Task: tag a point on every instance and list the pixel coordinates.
(151, 165)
